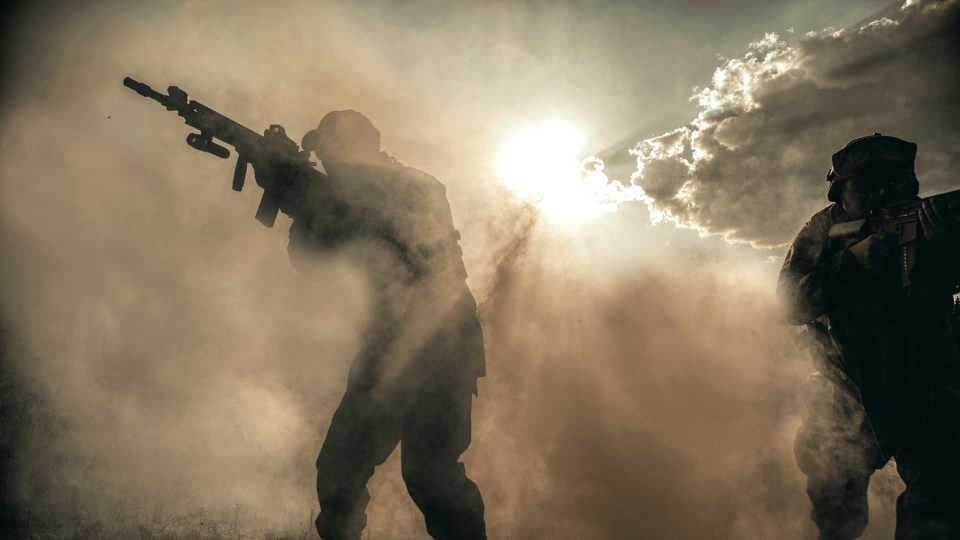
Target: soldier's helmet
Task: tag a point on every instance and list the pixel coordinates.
(882, 157)
(343, 131)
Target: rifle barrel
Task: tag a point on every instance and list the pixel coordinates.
(144, 90)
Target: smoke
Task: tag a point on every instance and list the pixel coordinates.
(162, 359)
(750, 166)
(658, 403)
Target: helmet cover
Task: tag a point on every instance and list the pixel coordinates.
(886, 156)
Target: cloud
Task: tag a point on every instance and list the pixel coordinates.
(751, 166)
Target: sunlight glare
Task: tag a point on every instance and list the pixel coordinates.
(542, 164)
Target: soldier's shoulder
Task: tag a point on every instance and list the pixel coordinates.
(828, 215)
(825, 213)
(819, 224)
(420, 179)
(421, 191)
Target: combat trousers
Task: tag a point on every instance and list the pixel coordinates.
(431, 421)
(837, 449)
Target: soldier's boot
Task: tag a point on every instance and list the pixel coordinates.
(331, 528)
(339, 520)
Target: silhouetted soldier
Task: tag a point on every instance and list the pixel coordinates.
(414, 379)
(889, 382)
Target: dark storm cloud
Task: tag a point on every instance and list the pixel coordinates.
(751, 165)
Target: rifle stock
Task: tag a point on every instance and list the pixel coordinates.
(273, 146)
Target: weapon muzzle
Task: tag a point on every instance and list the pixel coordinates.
(145, 90)
(136, 86)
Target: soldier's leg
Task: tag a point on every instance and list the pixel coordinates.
(363, 433)
(836, 450)
(929, 465)
(436, 430)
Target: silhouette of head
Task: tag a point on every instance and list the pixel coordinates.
(874, 162)
(344, 137)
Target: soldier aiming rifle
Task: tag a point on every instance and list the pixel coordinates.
(873, 277)
(413, 380)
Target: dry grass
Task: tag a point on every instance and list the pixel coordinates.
(166, 522)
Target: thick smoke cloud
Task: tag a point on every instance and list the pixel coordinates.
(663, 404)
(750, 166)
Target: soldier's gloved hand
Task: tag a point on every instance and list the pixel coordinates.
(266, 169)
(940, 221)
(876, 252)
(271, 171)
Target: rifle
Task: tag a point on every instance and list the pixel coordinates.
(273, 145)
(901, 218)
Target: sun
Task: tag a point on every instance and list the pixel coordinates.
(542, 164)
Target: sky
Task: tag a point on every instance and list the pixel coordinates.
(168, 365)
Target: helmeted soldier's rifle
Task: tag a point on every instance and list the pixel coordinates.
(900, 218)
(273, 146)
